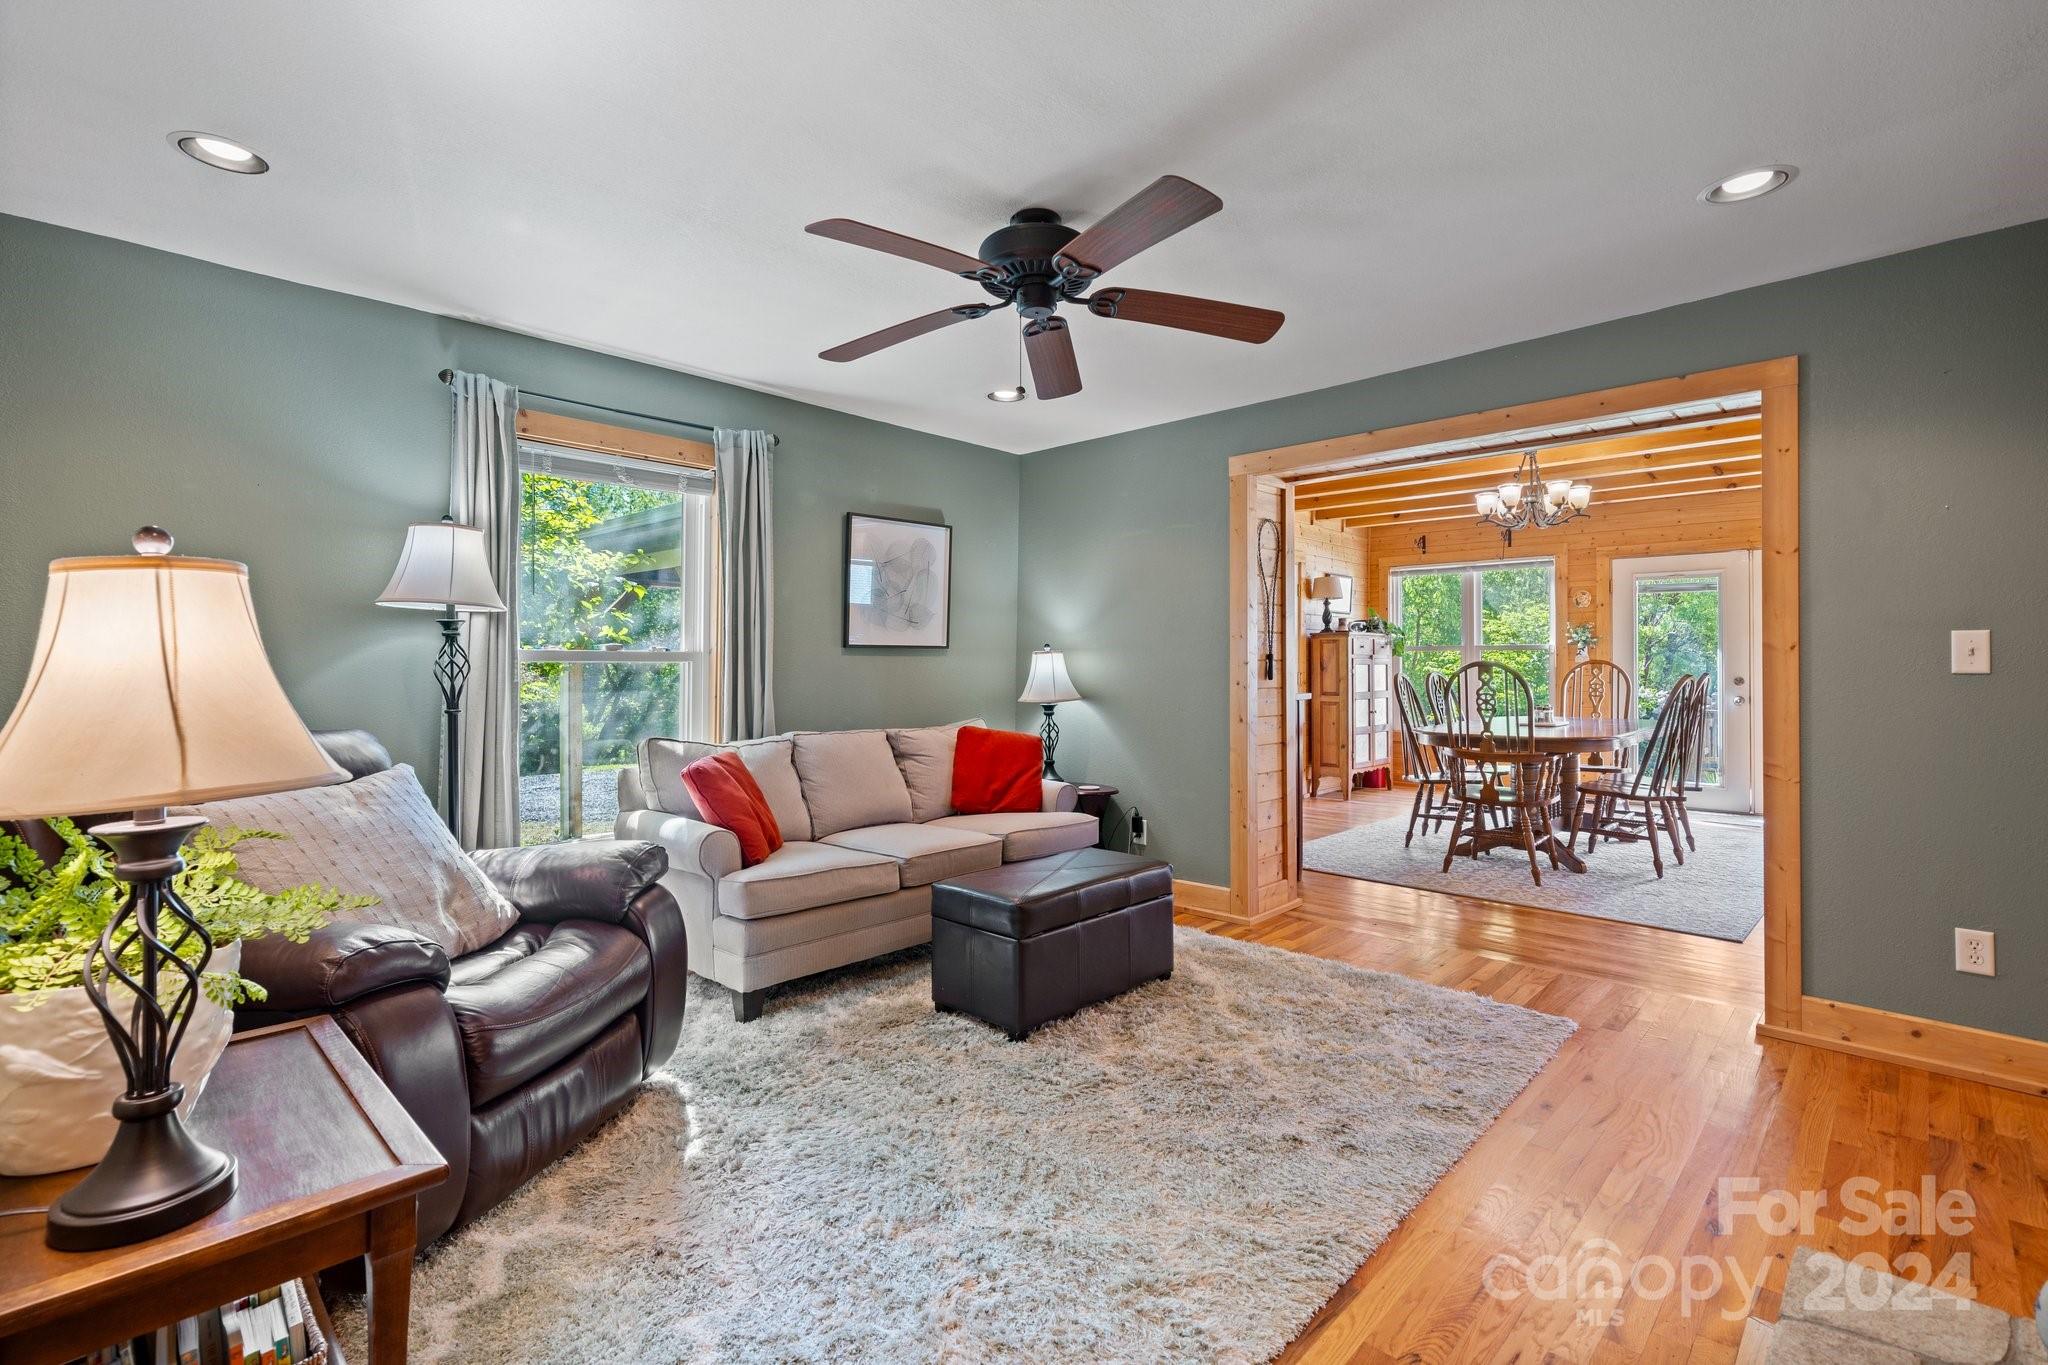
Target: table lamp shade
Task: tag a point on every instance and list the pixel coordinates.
(442, 565)
(149, 687)
(1325, 588)
(1048, 682)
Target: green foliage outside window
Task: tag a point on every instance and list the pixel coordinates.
(1514, 627)
(597, 570)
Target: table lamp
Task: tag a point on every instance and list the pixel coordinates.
(444, 567)
(149, 688)
(1329, 589)
(1048, 685)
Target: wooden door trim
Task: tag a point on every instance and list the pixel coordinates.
(1777, 380)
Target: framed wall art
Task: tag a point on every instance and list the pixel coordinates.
(899, 583)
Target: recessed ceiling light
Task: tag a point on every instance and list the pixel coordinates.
(1006, 395)
(1747, 184)
(219, 153)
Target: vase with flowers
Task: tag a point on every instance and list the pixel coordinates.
(59, 1072)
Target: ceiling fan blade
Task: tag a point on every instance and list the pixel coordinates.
(904, 331)
(896, 244)
(1236, 321)
(1051, 348)
(1147, 218)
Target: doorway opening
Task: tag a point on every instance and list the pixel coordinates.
(1674, 568)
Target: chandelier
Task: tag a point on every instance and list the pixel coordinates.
(1530, 501)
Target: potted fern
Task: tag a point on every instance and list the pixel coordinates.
(58, 1070)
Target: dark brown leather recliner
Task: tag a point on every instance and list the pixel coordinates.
(511, 1055)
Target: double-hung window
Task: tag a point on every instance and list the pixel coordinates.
(1459, 613)
(616, 569)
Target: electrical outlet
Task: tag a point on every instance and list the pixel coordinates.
(1140, 831)
(1976, 952)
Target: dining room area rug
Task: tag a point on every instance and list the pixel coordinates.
(1186, 1172)
(1718, 893)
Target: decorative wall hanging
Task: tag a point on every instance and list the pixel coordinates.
(1269, 588)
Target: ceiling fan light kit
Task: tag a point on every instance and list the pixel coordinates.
(1035, 263)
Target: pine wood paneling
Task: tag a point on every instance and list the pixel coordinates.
(1585, 550)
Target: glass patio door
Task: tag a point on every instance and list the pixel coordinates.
(1688, 614)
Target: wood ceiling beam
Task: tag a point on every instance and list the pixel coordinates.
(1608, 497)
(1600, 474)
(1562, 454)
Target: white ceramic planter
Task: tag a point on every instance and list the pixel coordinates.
(59, 1075)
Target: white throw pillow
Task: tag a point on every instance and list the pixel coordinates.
(376, 836)
(925, 755)
(850, 780)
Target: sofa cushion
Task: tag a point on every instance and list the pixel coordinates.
(1030, 834)
(850, 779)
(723, 788)
(801, 875)
(925, 755)
(538, 995)
(376, 836)
(925, 853)
(661, 777)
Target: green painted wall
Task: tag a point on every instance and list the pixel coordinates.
(299, 431)
(1924, 437)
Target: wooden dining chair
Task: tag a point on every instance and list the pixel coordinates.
(1494, 766)
(1628, 805)
(1695, 751)
(1598, 689)
(1421, 763)
(1437, 689)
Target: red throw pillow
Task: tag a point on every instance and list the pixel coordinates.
(995, 771)
(727, 795)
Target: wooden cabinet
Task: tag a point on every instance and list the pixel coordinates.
(1351, 707)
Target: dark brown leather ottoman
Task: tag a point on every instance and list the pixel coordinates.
(1025, 943)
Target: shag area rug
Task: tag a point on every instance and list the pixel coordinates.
(1186, 1172)
(1719, 893)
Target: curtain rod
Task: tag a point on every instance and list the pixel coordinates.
(448, 376)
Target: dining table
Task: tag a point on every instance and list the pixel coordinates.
(1571, 738)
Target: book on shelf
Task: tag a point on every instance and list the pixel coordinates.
(267, 1328)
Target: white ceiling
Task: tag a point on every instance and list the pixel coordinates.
(1406, 179)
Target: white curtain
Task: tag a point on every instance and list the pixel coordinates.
(747, 570)
(483, 492)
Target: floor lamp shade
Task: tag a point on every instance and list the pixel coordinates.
(442, 565)
(150, 687)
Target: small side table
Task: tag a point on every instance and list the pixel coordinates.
(1094, 800)
(329, 1167)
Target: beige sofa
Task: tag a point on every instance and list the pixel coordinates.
(867, 827)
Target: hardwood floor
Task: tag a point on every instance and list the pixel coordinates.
(1615, 1153)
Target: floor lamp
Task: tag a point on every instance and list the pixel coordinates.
(149, 689)
(443, 567)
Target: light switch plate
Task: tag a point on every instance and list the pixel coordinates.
(1969, 651)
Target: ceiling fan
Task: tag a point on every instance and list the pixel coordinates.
(1037, 263)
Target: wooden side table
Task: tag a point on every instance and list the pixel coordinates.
(329, 1167)
(1093, 799)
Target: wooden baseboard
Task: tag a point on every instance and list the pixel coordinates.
(1998, 1059)
(1205, 898)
